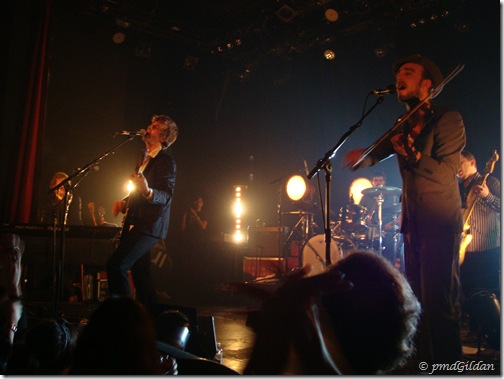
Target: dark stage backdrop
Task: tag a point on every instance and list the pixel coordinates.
(254, 132)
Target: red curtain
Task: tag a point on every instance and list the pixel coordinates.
(19, 206)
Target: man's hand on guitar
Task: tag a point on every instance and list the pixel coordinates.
(140, 183)
(481, 190)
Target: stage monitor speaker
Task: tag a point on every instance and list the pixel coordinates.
(264, 242)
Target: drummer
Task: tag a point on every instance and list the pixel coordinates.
(390, 206)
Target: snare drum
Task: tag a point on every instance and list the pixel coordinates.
(314, 253)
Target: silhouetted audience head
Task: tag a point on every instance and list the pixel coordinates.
(119, 339)
(357, 317)
(47, 349)
(376, 321)
(173, 327)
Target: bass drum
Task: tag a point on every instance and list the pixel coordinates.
(314, 253)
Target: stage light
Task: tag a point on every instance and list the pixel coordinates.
(296, 187)
(118, 38)
(238, 211)
(238, 236)
(331, 15)
(329, 55)
(129, 186)
(356, 188)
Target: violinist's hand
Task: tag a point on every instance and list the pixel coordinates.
(351, 158)
(118, 207)
(398, 144)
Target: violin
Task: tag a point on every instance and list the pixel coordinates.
(413, 127)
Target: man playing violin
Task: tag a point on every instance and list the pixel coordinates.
(427, 147)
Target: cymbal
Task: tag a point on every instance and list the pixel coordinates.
(386, 191)
(394, 208)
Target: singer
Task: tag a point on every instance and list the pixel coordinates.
(147, 214)
(428, 153)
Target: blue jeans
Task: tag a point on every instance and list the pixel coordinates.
(133, 253)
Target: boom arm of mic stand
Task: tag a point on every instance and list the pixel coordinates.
(79, 171)
(331, 153)
(326, 164)
(59, 266)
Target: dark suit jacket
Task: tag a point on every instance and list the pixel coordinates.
(153, 218)
(430, 196)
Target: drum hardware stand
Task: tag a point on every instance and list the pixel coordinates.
(59, 259)
(379, 201)
(380, 198)
(324, 163)
(281, 244)
(305, 221)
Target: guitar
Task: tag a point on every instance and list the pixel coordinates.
(117, 238)
(471, 202)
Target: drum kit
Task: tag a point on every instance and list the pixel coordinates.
(357, 228)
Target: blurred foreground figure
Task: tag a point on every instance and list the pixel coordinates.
(357, 317)
(120, 339)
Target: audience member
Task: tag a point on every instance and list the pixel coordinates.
(120, 339)
(11, 306)
(357, 317)
(46, 350)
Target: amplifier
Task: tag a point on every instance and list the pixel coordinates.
(264, 241)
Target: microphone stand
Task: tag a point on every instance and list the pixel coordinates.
(324, 163)
(59, 260)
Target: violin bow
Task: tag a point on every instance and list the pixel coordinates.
(401, 120)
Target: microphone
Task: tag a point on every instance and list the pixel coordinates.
(140, 133)
(390, 89)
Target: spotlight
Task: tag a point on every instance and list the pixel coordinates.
(356, 188)
(118, 38)
(329, 55)
(296, 187)
(380, 52)
(331, 15)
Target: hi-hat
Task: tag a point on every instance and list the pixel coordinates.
(386, 191)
